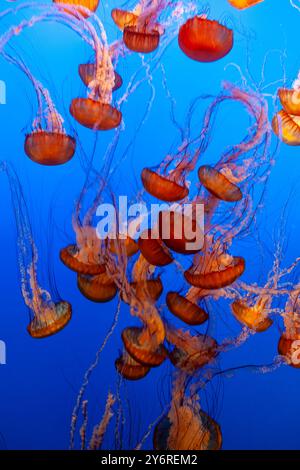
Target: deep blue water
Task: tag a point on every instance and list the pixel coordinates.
(39, 383)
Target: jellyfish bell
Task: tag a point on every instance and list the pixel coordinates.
(70, 257)
(49, 148)
(128, 245)
(123, 18)
(189, 431)
(138, 345)
(180, 233)
(252, 317)
(95, 115)
(91, 5)
(163, 188)
(243, 4)
(287, 128)
(186, 310)
(289, 348)
(191, 353)
(141, 39)
(154, 250)
(217, 279)
(52, 319)
(98, 288)
(290, 100)
(87, 73)
(147, 290)
(129, 369)
(218, 184)
(205, 40)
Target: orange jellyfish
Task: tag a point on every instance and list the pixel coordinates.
(186, 426)
(181, 233)
(129, 368)
(254, 317)
(187, 430)
(123, 18)
(49, 148)
(162, 187)
(84, 257)
(190, 353)
(229, 269)
(287, 128)
(205, 40)
(91, 5)
(98, 288)
(147, 289)
(218, 185)
(95, 114)
(243, 4)
(187, 311)
(47, 316)
(126, 245)
(290, 100)
(87, 74)
(143, 39)
(289, 342)
(153, 249)
(137, 344)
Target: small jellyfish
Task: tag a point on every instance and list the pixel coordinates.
(218, 185)
(85, 256)
(290, 100)
(163, 188)
(91, 5)
(137, 342)
(205, 40)
(123, 18)
(181, 233)
(185, 429)
(254, 317)
(287, 128)
(225, 271)
(143, 39)
(243, 4)
(87, 73)
(126, 245)
(187, 311)
(49, 147)
(98, 288)
(190, 353)
(147, 290)
(154, 250)
(289, 342)
(130, 369)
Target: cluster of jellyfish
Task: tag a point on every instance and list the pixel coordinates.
(130, 267)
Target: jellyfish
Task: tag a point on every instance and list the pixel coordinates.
(99, 288)
(87, 74)
(287, 128)
(186, 426)
(47, 143)
(180, 232)
(253, 316)
(243, 4)
(218, 185)
(163, 188)
(289, 342)
(153, 249)
(205, 40)
(141, 32)
(190, 352)
(129, 368)
(187, 311)
(224, 271)
(135, 341)
(83, 6)
(47, 316)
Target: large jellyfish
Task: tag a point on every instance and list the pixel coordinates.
(47, 316)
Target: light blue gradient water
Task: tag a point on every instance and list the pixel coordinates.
(39, 384)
